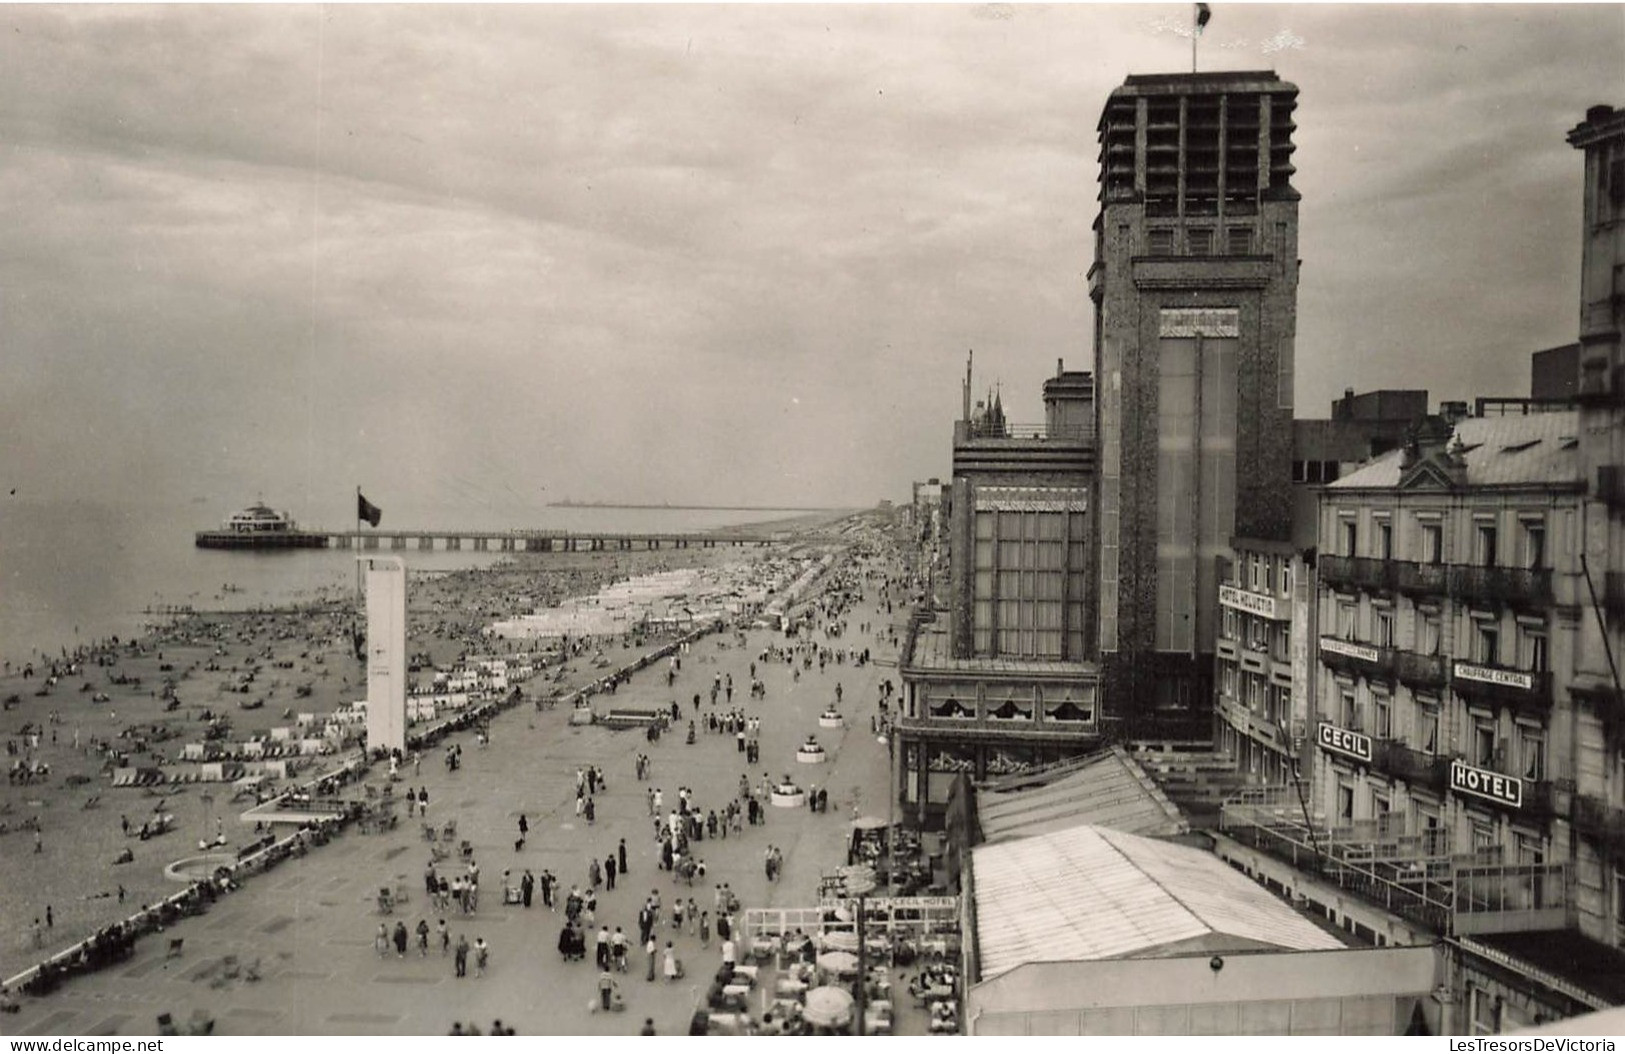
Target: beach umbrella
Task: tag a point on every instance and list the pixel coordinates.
(828, 1007)
(838, 963)
(869, 823)
(842, 941)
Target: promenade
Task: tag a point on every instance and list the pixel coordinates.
(310, 923)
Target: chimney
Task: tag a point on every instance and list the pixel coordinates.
(1060, 367)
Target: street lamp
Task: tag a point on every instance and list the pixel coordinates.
(887, 739)
(861, 884)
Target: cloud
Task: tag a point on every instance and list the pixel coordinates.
(669, 253)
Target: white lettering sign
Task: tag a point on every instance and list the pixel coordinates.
(1199, 322)
(1342, 741)
(1494, 786)
(1349, 648)
(1252, 603)
(1490, 675)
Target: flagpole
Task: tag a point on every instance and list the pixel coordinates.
(358, 542)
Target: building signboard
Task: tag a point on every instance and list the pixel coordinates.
(1252, 603)
(1199, 322)
(1491, 675)
(1349, 648)
(1482, 783)
(1355, 745)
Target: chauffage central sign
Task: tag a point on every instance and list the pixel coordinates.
(1355, 745)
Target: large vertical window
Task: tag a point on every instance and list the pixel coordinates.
(1534, 543)
(1427, 633)
(1486, 642)
(1432, 543)
(982, 602)
(1427, 727)
(1196, 468)
(1531, 753)
(1030, 559)
(1485, 544)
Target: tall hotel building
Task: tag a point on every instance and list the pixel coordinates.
(1195, 297)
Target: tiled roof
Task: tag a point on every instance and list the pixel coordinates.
(1091, 893)
(1534, 449)
(1109, 790)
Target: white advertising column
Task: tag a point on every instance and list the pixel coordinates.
(386, 652)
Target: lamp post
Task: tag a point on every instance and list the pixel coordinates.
(888, 739)
(861, 885)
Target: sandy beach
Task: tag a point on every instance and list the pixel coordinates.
(107, 707)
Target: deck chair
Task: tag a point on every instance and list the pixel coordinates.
(175, 945)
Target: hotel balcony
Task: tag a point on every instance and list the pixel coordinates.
(1358, 572)
(1413, 766)
(1613, 593)
(1611, 487)
(1601, 822)
(1358, 660)
(1254, 726)
(1524, 691)
(1409, 874)
(1520, 587)
(1499, 586)
(1423, 672)
(1421, 580)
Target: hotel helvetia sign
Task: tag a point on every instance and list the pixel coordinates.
(1497, 787)
(1354, 745)
(1252, 603)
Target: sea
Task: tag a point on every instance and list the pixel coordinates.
(75, 572)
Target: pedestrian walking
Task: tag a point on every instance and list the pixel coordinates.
(482, 955)
(380, 940)
(445, 937)
(423, 938)
(620, 854)
(460, 957)
(609, 871)
(400, 940)
(653, 950)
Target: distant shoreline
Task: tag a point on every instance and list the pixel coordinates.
(568, 504)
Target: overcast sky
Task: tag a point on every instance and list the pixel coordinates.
(506, 255)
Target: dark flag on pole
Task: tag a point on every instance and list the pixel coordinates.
(1203, 13)
(366, 510)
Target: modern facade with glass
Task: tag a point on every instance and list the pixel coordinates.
(1194, 287)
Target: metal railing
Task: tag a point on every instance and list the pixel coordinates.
(1409, 873)
(1359, 572)
(1042, 431)
(1419, 671)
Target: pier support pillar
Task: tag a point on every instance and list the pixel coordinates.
(397, 541)
(454, 544)
(425, 542)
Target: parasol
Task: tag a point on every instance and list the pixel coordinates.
(843, 941)
(869, 823)
(839, 963)
(828, 1007)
